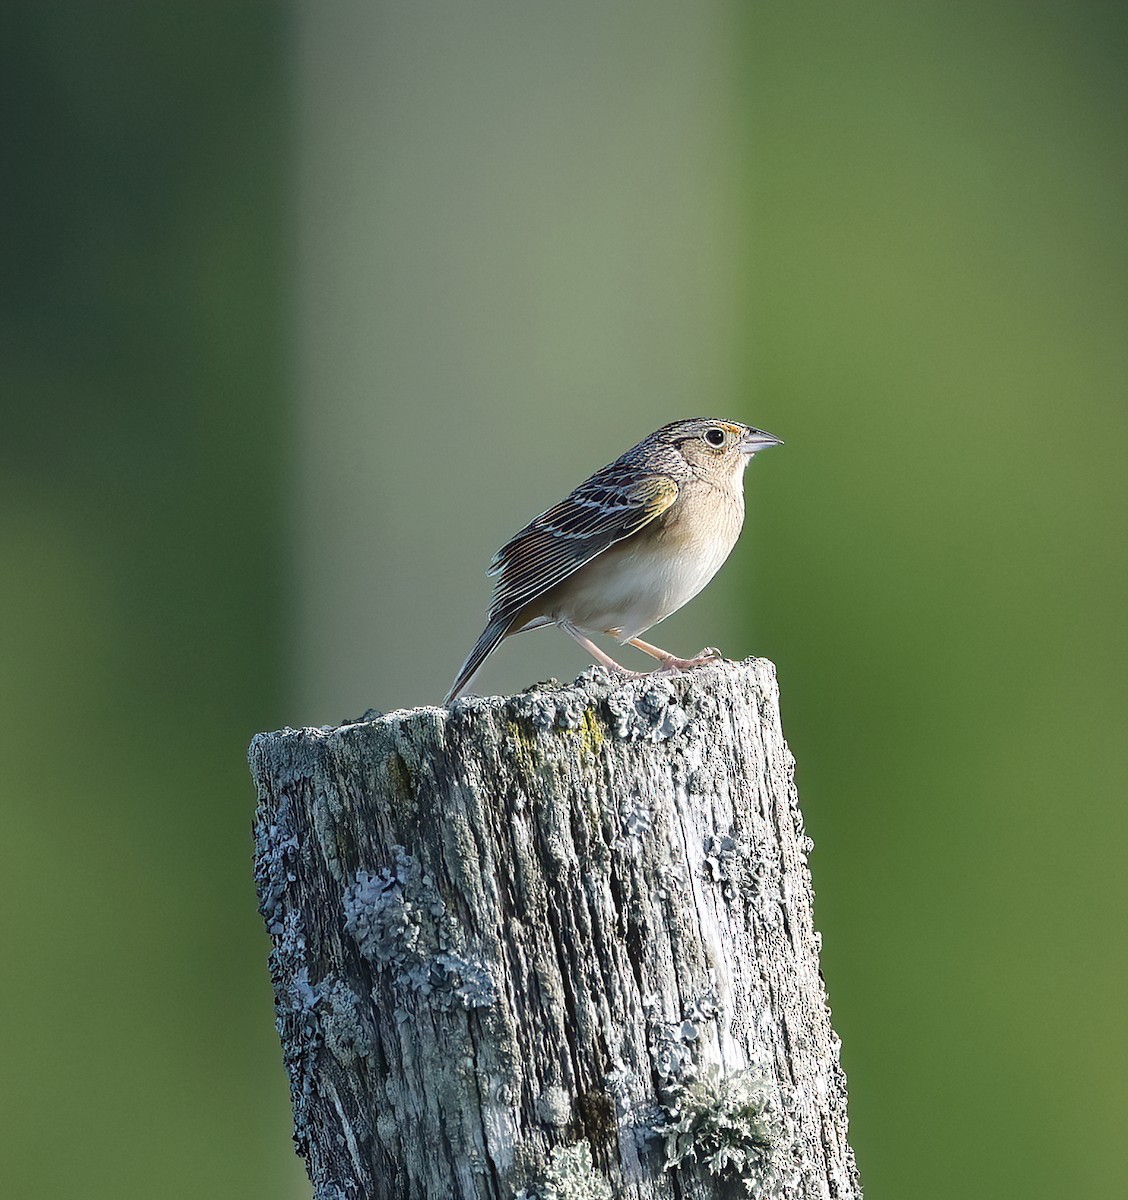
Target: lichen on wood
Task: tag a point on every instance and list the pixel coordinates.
(525, 943)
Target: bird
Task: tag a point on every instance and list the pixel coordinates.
(628, 547)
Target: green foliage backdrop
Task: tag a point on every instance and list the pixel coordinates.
(938, 304)
(141, 457)
(905, 239)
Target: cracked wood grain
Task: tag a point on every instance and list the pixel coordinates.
(534, 946)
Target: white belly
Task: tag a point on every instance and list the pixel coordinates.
(636, 584)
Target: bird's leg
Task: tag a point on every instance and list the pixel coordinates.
(596, 653)
(670, 662)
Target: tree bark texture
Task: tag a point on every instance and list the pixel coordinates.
(557, 945)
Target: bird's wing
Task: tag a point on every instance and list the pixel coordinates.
(613, 504)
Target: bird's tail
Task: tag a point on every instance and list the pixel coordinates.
(483, 648)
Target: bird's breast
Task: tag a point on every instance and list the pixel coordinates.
(638, 582)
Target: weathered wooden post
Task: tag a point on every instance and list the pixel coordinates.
(558, 945)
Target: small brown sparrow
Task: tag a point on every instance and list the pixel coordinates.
(629, 546)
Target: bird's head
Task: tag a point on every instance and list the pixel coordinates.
(715, 447)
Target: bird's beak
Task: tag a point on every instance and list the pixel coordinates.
(757, 439)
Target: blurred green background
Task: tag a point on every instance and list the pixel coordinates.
(305, 309)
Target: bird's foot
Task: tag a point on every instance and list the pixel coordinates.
(709, 655)
(670, 662)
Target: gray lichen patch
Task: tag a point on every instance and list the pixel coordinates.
(447, 981)
(296, 1020)
(733, 864)
(540, 708)
(570, 1175)
(736, 1126)
(330, 1191)
(637, 815)
(399, 921)
(276, 850)
(673, 1044)
(565, 710)
(386, 910)
(646, 710)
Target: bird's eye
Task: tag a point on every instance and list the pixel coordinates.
(715, 437)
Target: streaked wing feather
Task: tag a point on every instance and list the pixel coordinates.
(613, 504)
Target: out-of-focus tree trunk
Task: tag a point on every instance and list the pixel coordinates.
(520, 244)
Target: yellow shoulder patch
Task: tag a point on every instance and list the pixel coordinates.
(655, 493)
